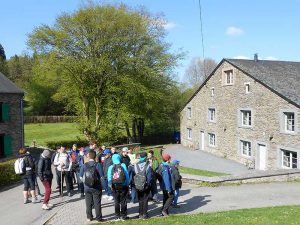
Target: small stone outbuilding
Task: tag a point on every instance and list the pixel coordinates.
(247, 111)
(11, 118)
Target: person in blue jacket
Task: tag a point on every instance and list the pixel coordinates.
(118, 181)
(167, 184)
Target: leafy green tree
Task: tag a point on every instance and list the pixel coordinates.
(3, 66)
(114, 63)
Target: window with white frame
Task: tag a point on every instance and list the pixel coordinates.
(247, 88)
(228, 77)
(212, 92)
(289, 121)
(245, 148)
(289, 159)
(246, 118)
(211, 139)
(189, 112)
(212, 114)
(189, 133)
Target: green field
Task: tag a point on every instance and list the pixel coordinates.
(283, 215)
(44, 132)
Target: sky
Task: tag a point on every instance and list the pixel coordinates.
(231, 28)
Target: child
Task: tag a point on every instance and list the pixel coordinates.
(178, 182)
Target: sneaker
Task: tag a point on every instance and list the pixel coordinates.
(50, 205)
(110, 198)
(104, 196)
(175, 206)
(100, 220)
(34, 200)
(144, 217)
(125, 218)
(164, 213)
(70, 194)
(81, 195)
(45, 207)
(26, 201)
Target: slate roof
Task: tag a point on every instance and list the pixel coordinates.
(7, 86)
(282, 77)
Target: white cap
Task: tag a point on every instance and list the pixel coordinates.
(125, 149)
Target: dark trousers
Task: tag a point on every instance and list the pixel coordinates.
(167, 201)
(143, 202)
(47, 184)
(120, 197)
(93, 198)
(65, 176)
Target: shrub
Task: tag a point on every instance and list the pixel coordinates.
(8, 175)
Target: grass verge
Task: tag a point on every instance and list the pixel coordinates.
(46, 132)
(258, 216)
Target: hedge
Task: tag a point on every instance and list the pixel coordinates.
(7, 172)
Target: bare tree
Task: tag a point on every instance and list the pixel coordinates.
(199, 70)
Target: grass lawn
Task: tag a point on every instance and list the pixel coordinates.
(44, 132)
(258, 216)
(198, 172)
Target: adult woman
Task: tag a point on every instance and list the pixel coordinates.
(45, 174)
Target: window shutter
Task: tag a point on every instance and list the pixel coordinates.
(7, 145)
(5, 112)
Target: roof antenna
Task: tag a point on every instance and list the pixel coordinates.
(255, 57)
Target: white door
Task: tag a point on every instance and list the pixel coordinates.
(262, 151)
(201, 140)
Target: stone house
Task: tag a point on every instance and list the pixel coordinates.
(247, 111)
(11, 118)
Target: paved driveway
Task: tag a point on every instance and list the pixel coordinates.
(205, 161)
(193, 199)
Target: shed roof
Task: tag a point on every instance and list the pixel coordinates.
(8, 87)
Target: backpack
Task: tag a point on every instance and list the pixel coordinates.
(20, 167)
(140, 178)
(118, 175)
(90, 175)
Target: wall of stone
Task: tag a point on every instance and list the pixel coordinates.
(266, 108)
(14, 126)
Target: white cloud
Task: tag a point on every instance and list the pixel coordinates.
(241, 57)
(234, 31)
(169, 25)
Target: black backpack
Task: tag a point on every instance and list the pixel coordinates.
(140, 178)
(118, 175)
(90, 175)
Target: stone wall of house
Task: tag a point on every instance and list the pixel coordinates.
(267, 115)
(14, 126)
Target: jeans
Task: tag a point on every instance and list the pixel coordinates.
(154, 191)
(143, 202)
(106, 188)
(47, 184)
(167, 201)
(120, 196)
(93, 198)
(79, 183)
(133, 194)
(176, 196)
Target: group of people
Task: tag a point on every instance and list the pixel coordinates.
(120, 175)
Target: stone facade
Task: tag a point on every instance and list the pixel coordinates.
(14, 126)
(267, 120)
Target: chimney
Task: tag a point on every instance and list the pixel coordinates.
(255, 57)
